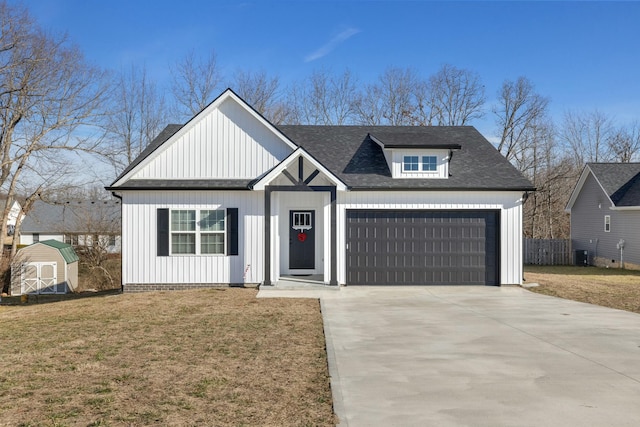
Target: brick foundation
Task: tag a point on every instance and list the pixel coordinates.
(149, 287)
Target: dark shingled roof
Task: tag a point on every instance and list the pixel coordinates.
(621, 181)
(359, 162)
(415, 137)
(352, 155)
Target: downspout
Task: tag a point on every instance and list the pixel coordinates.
(117, 196)
(525, 196)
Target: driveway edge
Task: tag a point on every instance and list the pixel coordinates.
(336, 388)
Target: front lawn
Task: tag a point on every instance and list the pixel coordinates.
(608, 287)
(186, 358)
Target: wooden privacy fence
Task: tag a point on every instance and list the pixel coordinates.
(547, 251)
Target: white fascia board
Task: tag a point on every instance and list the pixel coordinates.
(195, 119)
(275, 172)
(624, 208)
(376, 140)
(576, 191)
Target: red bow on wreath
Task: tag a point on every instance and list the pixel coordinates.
(302, 237)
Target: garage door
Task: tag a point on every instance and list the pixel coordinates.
(422, 247)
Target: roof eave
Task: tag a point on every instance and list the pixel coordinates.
(518, 189)
(624, 208)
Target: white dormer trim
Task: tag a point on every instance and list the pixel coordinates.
(215, 104)
(442, 163)
(291, 158)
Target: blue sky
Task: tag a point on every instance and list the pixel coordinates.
(582, 55)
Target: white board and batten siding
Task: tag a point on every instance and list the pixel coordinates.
(508, 203)
(141, 265)
(227, 143)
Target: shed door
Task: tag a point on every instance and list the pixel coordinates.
(422, 247)
(41, 278)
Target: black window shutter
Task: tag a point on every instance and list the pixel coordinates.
(163, 232)
(232, 231)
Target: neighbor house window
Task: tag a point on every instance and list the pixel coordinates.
(429, 163)
(36, 237)
(607, 223)
(197, 232)
(112, 240)
(410, 164)
(71, 239)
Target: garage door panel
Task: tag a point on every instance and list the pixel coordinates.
(421, 247)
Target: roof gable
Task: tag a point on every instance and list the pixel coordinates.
(226, 140)
(620, 182)
(300, 152)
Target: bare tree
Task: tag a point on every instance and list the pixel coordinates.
(262, 93)
(49, 94)
(586, 135)
(457, 96)
(137, 114)
(325, 99)
(519, 109)
(391, 100)
(624, 142)
(195, 82)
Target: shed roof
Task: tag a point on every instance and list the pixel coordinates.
(65, 250)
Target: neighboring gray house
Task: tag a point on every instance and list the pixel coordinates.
(605, 214)
(230, 198)
(78, 223)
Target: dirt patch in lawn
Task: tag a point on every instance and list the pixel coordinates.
(608, 287)
(188, 358)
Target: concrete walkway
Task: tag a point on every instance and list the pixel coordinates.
(478, 356)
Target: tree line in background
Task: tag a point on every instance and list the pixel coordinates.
(56, 109)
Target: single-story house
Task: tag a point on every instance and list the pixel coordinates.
(230, 198)
(79, 223)
(605, 215)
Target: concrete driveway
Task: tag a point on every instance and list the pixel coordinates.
(479, 356)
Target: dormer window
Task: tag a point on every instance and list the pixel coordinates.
(410, 164)
(420, 163)
(429, 163)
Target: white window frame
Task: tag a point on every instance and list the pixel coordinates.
(607, 223)
(423, 164)
(417, 163)
(198, 232)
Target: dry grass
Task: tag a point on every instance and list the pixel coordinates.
(608, 287)
(188, 358)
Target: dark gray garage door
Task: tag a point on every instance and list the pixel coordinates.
(422, 247)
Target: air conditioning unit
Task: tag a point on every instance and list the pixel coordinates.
(581, 258)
